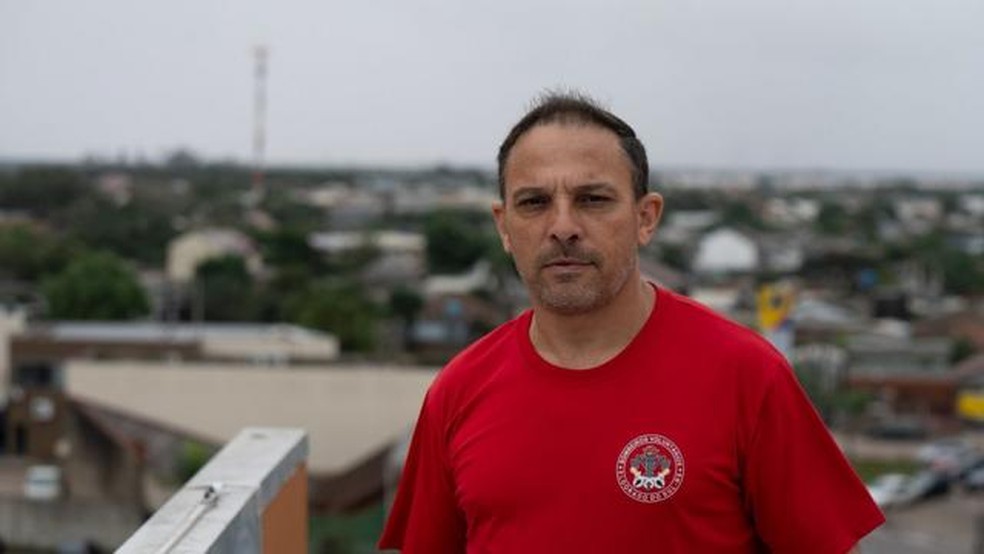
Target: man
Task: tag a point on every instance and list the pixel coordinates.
(615, 416)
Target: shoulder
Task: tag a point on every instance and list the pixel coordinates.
(715, 330)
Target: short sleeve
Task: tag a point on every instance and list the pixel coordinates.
(802, 493)
(425, 518)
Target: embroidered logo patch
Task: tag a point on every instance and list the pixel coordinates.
(650, 468)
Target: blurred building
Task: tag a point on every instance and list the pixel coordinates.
(397, 257)
(186, 252)
(113, 406)
(726, 252)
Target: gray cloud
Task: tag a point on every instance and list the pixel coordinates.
(840, 83)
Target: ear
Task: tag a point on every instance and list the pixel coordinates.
(650, 210)
(499, 214)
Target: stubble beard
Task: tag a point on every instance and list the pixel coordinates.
(579, 294)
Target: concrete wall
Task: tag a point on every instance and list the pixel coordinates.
(348, 412)
(256, 501)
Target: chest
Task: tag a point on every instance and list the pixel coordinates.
(643, 448)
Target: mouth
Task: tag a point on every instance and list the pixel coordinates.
(567, 263)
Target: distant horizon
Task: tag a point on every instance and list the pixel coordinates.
(423, 166)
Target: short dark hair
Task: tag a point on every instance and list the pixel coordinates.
(573, 107)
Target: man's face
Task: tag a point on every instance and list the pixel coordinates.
(570, 218)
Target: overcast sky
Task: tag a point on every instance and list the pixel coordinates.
(841, 84)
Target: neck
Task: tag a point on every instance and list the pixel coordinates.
(584, 341)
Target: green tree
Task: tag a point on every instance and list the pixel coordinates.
(740, 213)
(285, 207)
(406, 303)
(674, 256)
(351, 262)
(139, 230)
(962, 273)
(41, 190)
(95, 286)
(340, 307)
(27, 253)
(287, 247)
(273, 295)
(961, 349)
(191, 458)
(226, 289)
(455, 241)
(870, 216)
(688, 199)
(832, 219)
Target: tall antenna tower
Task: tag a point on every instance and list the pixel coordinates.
(260, 54)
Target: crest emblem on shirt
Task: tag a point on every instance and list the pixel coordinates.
(650, 468)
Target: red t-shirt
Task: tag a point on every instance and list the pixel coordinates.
(695, 438)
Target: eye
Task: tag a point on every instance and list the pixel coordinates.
(533, 202)
(593, 199)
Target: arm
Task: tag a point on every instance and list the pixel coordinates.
(425, 518)
(803, 494)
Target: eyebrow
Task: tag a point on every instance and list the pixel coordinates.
(526, 190)
(595, 187)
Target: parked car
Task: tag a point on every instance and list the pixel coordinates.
(887, 489)
(973, 480)
(43, 482)
(928, 483)
(950, 455)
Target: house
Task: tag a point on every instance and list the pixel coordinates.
(37, 358)
(732, 299)
(790, 212)
(424, 198)
(399, 256)
(965, 325)
(972, 204)
(189, 250)
(909, 376)
(820, 320)
(240, 342)
(350, 206)
(478, 277)
(450, 321)
(970, 243)
(839, 264)
(918, 214)
(682, 227)
(726, 252)
(99, 495)
(879, 355)
(205, 382)
(780, 253)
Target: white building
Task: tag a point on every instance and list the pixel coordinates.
(724, 252)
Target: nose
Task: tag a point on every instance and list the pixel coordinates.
(565, 226)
